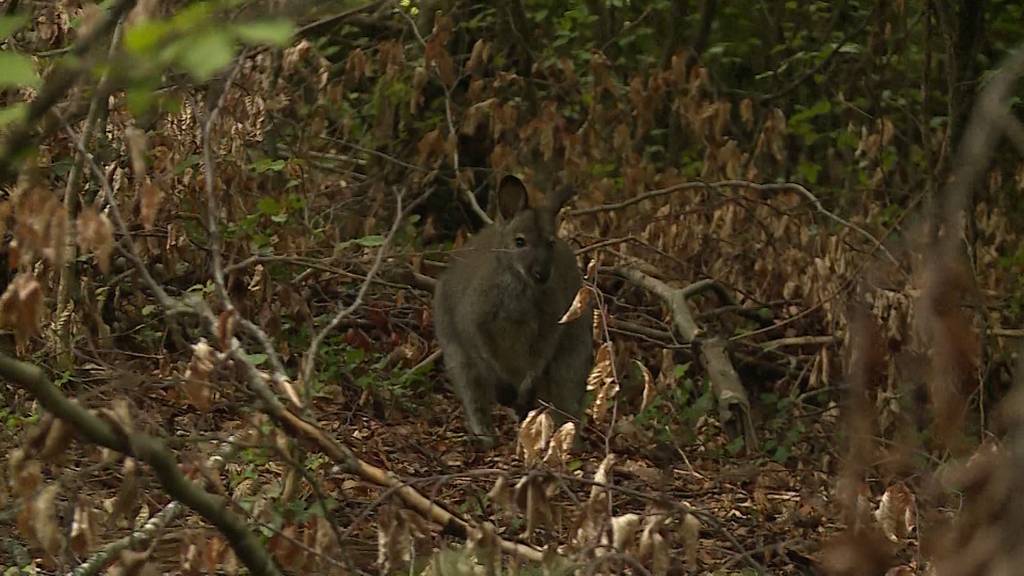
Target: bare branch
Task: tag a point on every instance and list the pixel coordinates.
(785, 186)
(453, 135)
(309, 360)
(149, 450)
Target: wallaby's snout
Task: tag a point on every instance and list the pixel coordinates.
(541, 274)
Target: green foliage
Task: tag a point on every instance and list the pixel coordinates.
(11, 24)
(678, 407)
(786, 426)
(372, 372)
(16, 70)
(196, 40)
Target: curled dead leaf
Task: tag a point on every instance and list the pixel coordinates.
(603, 475)
(21, 307)
(580, 305)
(534, 434)
(150, 199)
(136, 140)
(95, 234)
(501, 494)
(691, 539)
(649, 389)
(396, 532)
(24, 474)
(895, 512)
(624, 529)
(83, 527)
(38, 521)
(560, 445)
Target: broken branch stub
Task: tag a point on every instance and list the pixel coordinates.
(730, 395)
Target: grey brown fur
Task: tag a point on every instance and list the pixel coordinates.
(496, 312)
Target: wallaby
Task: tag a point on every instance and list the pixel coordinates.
(496, 312)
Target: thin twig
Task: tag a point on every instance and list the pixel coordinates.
(149, 449)
(309, 360)
(779, 187)
(279, 375)
(825, 62)
(69, 284)
(453, 135)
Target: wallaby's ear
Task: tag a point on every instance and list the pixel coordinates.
(511, 196)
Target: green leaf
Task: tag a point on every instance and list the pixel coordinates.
(256, 359)
(17, 70)
(145, 37)
(10, 24)
(809, 171)
(268, 205)
(267, 165)
(205, 54)
(370, 241)
(273, 32)
(820, 107)
(12, 113)
(734, 447)
(679, 370)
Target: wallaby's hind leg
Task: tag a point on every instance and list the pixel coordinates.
(476, 395)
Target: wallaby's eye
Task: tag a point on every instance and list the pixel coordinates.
(551, 242)
(520, 241)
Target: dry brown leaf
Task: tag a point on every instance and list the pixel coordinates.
(419, 80)
(95, 234)
(580, 305)
(649, 389)
(196, 381)
(560, 445)
(895, 512)
(212, 555)
(121, 506)
(150, 199)
(478, 57)
(436, 52)
(603, 401)
(747, 112)
(592, 521)
(603, 369)
(134, 563)
(45, 528)
(21, 307)
(396, 532)
(136, 140)
(24, 475)
(691, 539)
(83, 527)
(603, 475)
(286, 547)
(58, 438)
(501, 494)
(483, 544)
(624, 529)
(40, 227)
(532, 494)
(534, 434)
